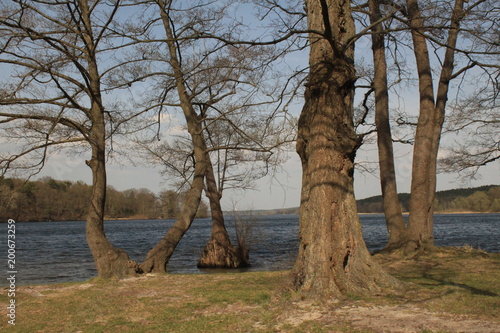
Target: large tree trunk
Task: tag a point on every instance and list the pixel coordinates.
(393, 215)
(110, 261)
(219, 252)
(333, 259)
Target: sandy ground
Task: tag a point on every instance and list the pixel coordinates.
(396, 319)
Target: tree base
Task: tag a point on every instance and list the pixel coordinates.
(117, 265)
(407, 247)
(362, 276)
(217, 255)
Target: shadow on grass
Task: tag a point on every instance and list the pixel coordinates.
(473, 290)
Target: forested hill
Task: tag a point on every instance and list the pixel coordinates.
(477, 199)
(52, 200)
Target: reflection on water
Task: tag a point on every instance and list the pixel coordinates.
(57, 251)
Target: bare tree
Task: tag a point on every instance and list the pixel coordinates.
(242, 151)
(392, 208)
(449, 33)
(221, 84)
(447, 29)
(157, 258)
(55, 55)
(332, 258)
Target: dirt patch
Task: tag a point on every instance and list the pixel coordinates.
(397, 319)
(411, 319)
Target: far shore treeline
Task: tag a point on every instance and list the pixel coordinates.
(48, 199)
(483, 199)
(53, 200)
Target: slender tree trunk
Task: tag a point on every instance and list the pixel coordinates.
(420, 234)
(158, 257)
(443, 85)
(110, 261)
(333, 259)
(219, 252)
(392, 208)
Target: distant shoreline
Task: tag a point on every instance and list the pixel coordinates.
(259, 213)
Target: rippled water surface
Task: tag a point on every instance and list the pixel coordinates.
(57, 251)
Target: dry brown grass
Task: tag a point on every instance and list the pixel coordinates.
(451, 290)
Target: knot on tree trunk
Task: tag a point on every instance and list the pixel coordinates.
(218, 255)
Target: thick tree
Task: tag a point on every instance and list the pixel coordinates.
(333, 259)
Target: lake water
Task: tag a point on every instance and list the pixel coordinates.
(57, 251)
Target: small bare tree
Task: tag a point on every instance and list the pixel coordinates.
(223, 84)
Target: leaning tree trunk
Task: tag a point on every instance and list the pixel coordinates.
(392, 209)
(159, 256)
(110, 261)
(444, 81)
(219, 252)
(333, 259)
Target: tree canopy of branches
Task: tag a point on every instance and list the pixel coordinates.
(444, 40)
(59, 56)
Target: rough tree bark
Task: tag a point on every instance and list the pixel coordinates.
(392, 209)
(219, 252)
(333, 259)
(420, 224)
(420, 231)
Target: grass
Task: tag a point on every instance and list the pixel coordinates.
(452, 280)
(455, 282)
(180, 303)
